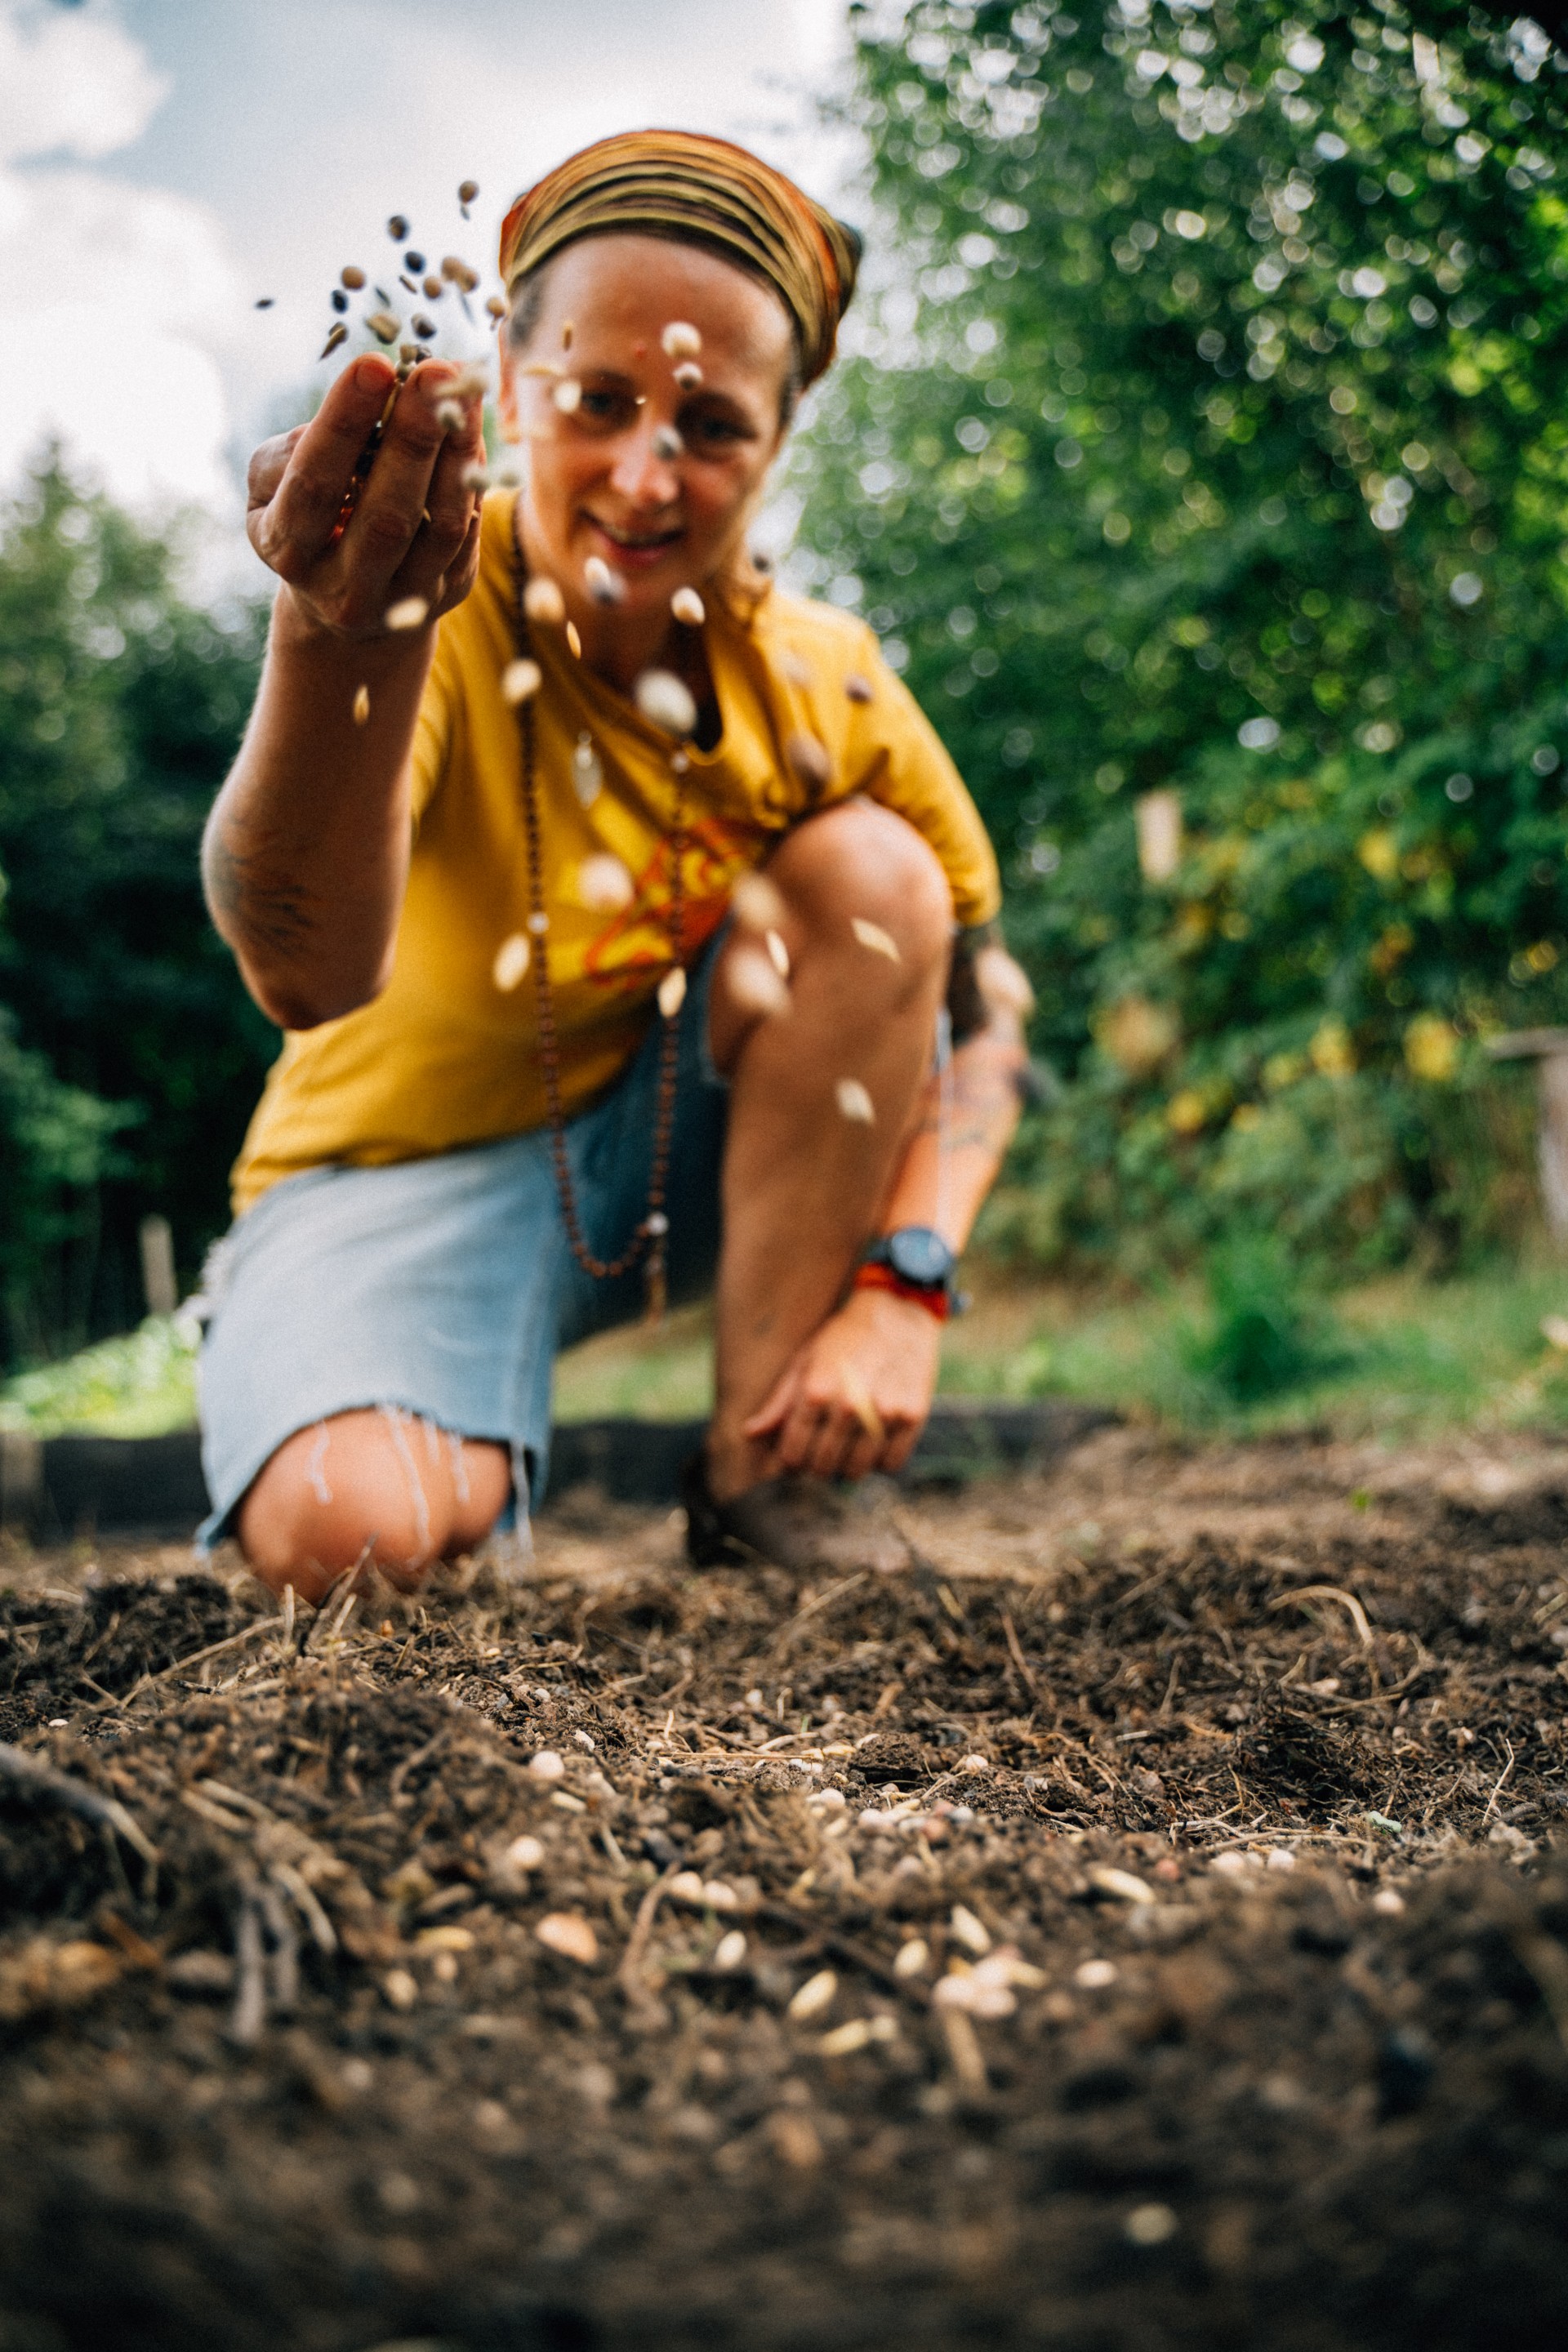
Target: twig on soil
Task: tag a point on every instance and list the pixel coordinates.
(1019, 1659)
(285, 1949)
(647, 2010)
(148, 1682)
(963, 2049)
(105, 1813)
(419, 1756)
(249, 2014)
(1496, 1791)
(829, 1593)
(1329, 1592)
(311, 1911)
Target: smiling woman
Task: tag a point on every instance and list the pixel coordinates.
(573, 737)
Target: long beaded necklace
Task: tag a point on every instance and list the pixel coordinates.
(649, 1239)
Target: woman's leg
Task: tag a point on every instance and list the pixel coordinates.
(380, 1486)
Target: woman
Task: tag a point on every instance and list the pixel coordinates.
(509, 760)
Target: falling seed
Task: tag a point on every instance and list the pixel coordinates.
(397, 228)
(339, 299)
(859, 688)
(809, 760)
(793, 670)
(731, 1950)
(469, 384)
(872, 936)
(667, 443)
(971, 1932)
(539, 924)
(568, 395)
(496, 306)
(567, 331)
(519, 680)
(854, 1102)
(467, 191)
(456, 271)
(450, 416)
(815, 1997)
(265, 302)
(408, 613)
(680, 340)
(778, 954)
(384, 326)
(542, 600)
(753, 984)
(605, 586)
(688, 607)
(475, 477)
(689, 376)
(362, 707)
(335, 335)
(911, 1958)
(672, 992)
(432, 289)
(351, 275)
(573, 641)
(568, 1933)
(604, 884)
(511, 961)
(424, 327)
(757, 903)
(665, 701)
(587, 776)
(414, 261)
(546, 1765)
(407, 283)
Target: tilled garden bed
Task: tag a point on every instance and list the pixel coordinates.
(1139, 1929)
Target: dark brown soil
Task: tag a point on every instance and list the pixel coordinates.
(1296, 2079)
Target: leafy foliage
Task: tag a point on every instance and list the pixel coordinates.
(1204, 435)
(129, 1053)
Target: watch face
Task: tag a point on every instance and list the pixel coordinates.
(917, 1254)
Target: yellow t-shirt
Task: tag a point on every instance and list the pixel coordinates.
(447, 1055)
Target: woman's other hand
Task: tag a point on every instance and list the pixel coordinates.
(855, 1398)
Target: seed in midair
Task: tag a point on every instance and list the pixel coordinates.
(568, 395)
(859, 688)
(672, 992)
(688, 376)
(449, 415)
(854, 1102)
(568, 329)
(519, 680)
(680, 340)
(408, 613)
(809, 760)
(415, 262)
(475, 478)
(423, 327)
(778, 954)
(384, 326)
(467, 191)
(568, 1933)
(604, 884)
(753, 984)
(351, 275)
(496, 306)
(687, 608)
(469, 384)
(456, 271)
(339, 300)
(667, 443)
(757, 904)
(665, 701)
(815, 1996)
(265, 302)
(397, 228)
(573, 641)
(362, 707)
(542, 600)
(793, 670)
(872, 936)
(432, 289)
(336, 334)
(587, 775)
(510, 963)
(605, 586)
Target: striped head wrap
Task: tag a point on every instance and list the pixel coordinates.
(680, 185)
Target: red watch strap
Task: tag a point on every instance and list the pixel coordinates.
(882, 1278)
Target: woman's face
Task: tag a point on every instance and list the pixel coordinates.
(605, 478)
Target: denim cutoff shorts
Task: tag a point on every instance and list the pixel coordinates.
(446, 1286)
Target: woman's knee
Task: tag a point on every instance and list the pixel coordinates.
(860, 858)
(379, 1487)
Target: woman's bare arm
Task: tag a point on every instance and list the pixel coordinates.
(306, 852)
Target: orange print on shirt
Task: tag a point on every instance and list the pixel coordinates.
(717, 852)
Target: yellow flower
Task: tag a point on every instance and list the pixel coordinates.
(1431, 1047)
(1379, 853)
(1187, 1112)
(1137, 1034)
(1331, 1050)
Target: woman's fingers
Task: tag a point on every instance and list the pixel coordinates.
(268, 463)
(293, 530)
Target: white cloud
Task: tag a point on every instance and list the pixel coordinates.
(75, 84)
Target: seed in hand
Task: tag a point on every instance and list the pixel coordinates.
(542, 600)
(408, 613)
(680, 340)
(687, 608)
(854, 1102)
(519, 680)
(666, 702)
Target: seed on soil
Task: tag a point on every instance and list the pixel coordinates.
(815, 1998)
(688, 376)
(1118, 1886)
(1387, 1903)
(687, 608)
(856, 2033)
(397, 228)
(855, 1103)
(1231, 1865)
(1281, 1858)
(982, 1991)
(757, 905)
(680, 340)
(519, 680)
(351, 275)
(546, 1765)
(794, 2140)
(384, 326)
(665, 701)
(408, 613)
(963, 2048)
(1149, 2225)
(605, 586)
(1093, 1976)
(672, 992)
(731, 1950)
(568, 1933)
(604, 884)
(778, 954)
(912, 1958)
(971, 1932)
(809, 762)
(445, 1940)
(542, 600)
(335, 335)
(399, 1989)
(872, 936)
(362, 707)
(752, 983)
(859, 688)
(568, 395)
(200, 1974)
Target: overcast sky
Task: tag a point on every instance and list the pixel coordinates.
(165, 162)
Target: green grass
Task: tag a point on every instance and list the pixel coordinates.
(1401, 1358)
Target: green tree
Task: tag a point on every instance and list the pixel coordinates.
(129, 1053)
(1205, 434)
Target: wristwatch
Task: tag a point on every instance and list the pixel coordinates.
(915, 1263)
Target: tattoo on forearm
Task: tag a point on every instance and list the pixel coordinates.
(257, 909)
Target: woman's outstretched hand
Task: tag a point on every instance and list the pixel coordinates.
(415, 530)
